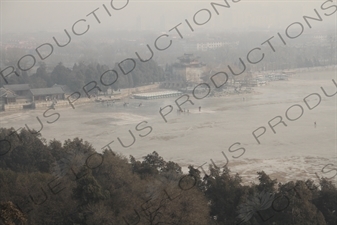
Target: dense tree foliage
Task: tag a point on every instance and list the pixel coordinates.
(70, 183)
(81, 74)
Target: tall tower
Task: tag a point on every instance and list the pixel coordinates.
(189, 68)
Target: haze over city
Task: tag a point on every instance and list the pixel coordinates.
(159, 15)
(187, 112)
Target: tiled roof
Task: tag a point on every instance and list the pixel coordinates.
(47, 91)
(65, 88)
(17, 87)
(6, 93)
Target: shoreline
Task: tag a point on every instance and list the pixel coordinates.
(295, 150)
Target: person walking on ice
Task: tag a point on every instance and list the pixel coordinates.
(199, 108)
(315, 124)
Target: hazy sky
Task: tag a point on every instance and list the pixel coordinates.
(161, 15)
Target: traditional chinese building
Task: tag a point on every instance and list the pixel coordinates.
(7, 96)
(19, 89)
(189, 68)
(47, 94)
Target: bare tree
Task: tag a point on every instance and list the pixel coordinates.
(9, 213)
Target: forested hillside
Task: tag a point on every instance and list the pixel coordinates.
(69, 183)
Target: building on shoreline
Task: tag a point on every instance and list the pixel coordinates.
(21, 96)
(189, 68)
(187, 71)
(47, 94)
(157, 95)
(6, 97)
(18, 89)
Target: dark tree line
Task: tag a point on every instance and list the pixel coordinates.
(69, 183)
(81, 74)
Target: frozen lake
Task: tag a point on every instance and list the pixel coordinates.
(296, 151)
